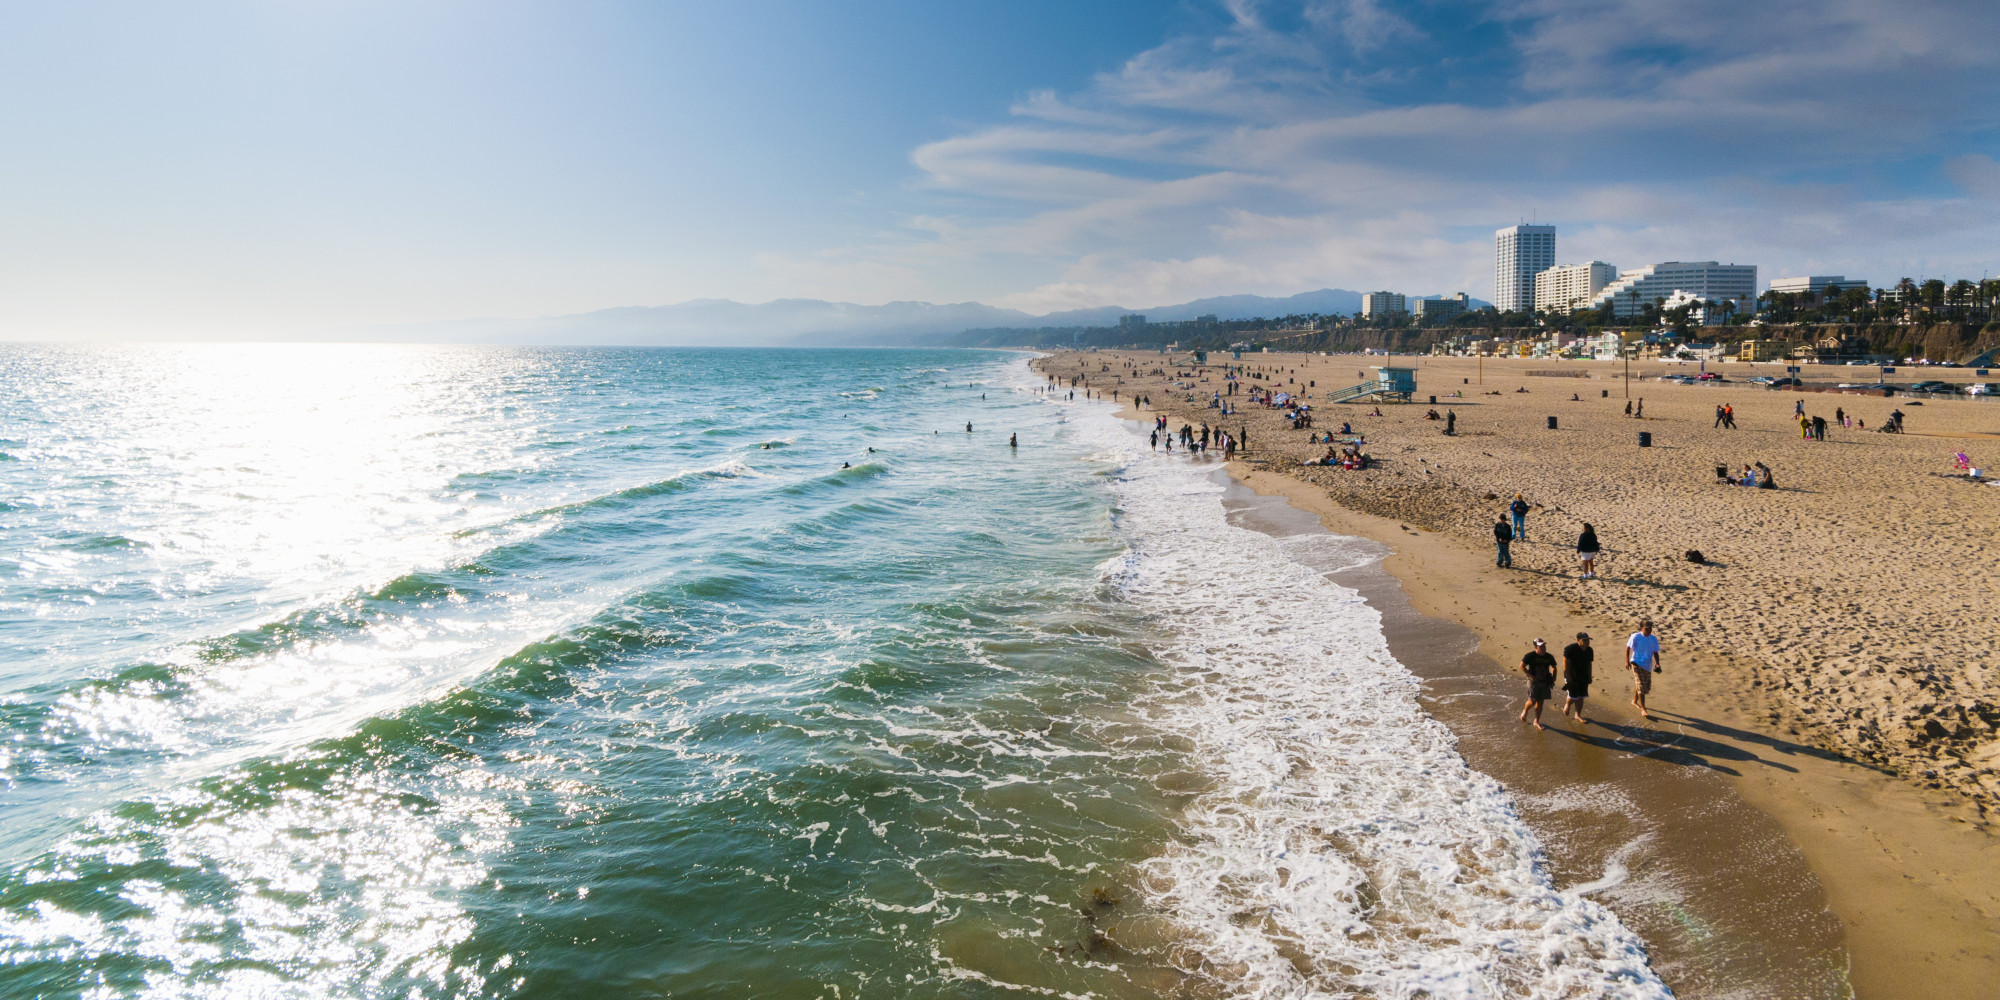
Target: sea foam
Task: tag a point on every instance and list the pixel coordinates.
(1343, 846)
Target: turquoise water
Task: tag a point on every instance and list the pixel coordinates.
(338, 671)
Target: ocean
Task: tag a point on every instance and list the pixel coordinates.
(407, 671)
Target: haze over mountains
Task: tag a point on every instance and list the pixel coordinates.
(813, 322)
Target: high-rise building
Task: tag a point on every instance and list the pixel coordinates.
(1568, 288)
(1635, 290)
(1520, 253)
(1381, 304)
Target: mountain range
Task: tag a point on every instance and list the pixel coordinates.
(813, 322)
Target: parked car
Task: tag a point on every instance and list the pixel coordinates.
(1780, 383)
(1930, 385)
(1982, 389)
(1763, 380)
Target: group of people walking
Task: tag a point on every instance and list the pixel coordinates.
(1505, 534)
(1642, 658)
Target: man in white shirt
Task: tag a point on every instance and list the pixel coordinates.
(1642, 654)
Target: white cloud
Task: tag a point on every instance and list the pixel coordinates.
(1336, 152)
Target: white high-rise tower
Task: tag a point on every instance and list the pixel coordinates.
(1520, 253)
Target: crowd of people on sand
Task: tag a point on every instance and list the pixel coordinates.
(1195, 441)
(1642, 658)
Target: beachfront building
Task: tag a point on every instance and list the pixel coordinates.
(1762, 350)
(1439, 310)
(1704, 280)
(1565, 289)
(1816, 285)
(1381, 305)
(1520, 253)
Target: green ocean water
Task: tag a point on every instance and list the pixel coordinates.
(337, 671)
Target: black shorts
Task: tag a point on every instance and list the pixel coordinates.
(1577, 690)
(1540, 692)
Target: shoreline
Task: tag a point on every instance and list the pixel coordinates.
(1906, 875)
(1901, 880)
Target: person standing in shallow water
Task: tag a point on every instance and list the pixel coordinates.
(1013, 441)
(1577, 659)
(1540, 668)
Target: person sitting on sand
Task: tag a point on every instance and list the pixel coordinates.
(1346, 428)
(1748, 477)
(1540, 668)
(1577, 658)
(1765, 480)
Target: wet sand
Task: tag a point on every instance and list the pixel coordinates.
(1637, 817)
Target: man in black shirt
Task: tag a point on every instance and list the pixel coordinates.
(1502, 537)
(1541, 670)
(1577, 657)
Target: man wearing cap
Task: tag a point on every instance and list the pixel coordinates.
(1577, 657)
(1541, 670)
(1642, 654)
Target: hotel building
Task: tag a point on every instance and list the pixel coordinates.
(1570, 287)
(1635, 290)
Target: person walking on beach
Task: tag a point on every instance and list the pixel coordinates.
(1628, 407)
(1729, 416)
(1577, 658)
(1586, 551)
(1450, 423)
(1541, 670)
(1640, 413)
(1642, 655)
(1502, 537)
(1519, 508)
(1718, 417)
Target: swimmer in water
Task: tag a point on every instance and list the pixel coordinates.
(1013, 441)
(968, 427)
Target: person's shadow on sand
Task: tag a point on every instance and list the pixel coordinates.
(1683, 748)
(1782, 746)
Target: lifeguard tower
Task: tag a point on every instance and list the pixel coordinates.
(1391, 384)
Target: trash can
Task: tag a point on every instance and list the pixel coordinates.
(1434, 400)
(1552, 423)
(1645, 438)
(1603, 394)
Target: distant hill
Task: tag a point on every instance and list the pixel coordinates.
(813, 322)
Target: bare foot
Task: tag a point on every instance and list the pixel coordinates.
(1540, 726)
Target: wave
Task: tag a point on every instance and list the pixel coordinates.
(1344, 846)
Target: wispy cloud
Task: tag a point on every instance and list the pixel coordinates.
(1367, 142)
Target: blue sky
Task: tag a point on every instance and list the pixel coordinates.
(288, 168)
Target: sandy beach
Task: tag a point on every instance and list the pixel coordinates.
(1830, 658)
